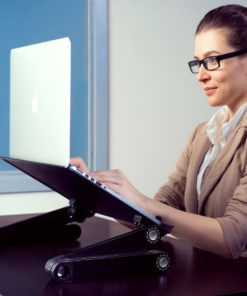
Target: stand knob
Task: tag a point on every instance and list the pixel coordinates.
(163, 262)
(63, 272)
(153, 235)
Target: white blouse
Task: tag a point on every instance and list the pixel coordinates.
(219, 128)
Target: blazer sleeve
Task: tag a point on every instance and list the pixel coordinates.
(234, 222)
(172, 192)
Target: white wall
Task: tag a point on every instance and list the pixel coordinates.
(23, 203)
(155, 101)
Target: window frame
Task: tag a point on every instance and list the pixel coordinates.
(14, 181)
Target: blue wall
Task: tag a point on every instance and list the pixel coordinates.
(24, 22)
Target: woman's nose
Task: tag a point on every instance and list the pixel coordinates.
(202, 74)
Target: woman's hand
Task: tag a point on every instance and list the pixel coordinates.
(115, 180)
(79, 163)
(118, 182)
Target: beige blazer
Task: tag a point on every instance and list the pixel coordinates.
(224, 186)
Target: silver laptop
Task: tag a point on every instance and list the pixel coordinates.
(40, 77)
(40, 129)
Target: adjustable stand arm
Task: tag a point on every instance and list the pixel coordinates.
(129, 253)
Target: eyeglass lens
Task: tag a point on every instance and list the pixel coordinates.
(210, 63)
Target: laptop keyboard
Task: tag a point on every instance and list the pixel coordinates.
(83, 174)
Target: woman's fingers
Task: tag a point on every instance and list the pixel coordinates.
(79, 163)
(113, 179)
(109, 176)
(118, 182)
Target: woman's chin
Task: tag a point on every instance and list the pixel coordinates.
(214, 102)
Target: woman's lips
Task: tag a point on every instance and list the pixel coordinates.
(209, 91)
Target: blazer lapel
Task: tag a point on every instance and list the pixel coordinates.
(221, 163)
(202, 145)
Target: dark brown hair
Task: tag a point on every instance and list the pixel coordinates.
(232, 18)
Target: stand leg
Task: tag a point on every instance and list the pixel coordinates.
(46, 227)
(145, 237)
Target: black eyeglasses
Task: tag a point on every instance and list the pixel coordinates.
(213, 62)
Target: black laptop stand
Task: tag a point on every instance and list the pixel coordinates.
(131, 253)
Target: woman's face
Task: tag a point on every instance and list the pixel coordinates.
(226, 85)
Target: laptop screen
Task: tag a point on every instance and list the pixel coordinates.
(40, 77)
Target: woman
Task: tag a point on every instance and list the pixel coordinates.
(205, 198)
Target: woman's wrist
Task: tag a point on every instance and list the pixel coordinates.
(155, 207)
(147, 204)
